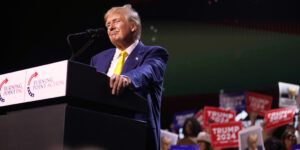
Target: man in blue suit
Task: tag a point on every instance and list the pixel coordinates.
(133, 65)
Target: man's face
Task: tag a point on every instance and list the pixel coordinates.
(119, 29)
(252, 143)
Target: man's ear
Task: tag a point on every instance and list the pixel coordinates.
(133, 28)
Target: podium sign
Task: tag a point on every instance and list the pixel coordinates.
(38, 83)
(12, 88)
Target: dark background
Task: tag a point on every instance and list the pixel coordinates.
(234, 45)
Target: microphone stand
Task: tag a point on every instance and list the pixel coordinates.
(83, 48)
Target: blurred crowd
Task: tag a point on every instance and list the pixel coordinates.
(280, 138)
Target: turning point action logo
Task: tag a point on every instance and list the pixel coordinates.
(42, 84)
(28, 84)
(2, 83)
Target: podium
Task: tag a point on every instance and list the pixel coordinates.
(67, 105)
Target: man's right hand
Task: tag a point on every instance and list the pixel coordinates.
(118, 83)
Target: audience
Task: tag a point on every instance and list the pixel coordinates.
(203, 140)
(191, 129)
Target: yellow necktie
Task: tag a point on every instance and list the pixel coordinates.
(121, 62)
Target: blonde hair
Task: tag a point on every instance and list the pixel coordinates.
(130, 14)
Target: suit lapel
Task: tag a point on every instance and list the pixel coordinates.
(134, 58)
(108, 58)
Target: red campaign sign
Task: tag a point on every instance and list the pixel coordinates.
(258, 102)
(217, 115)
(225, 135)
(278, 117)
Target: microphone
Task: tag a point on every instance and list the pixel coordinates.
(92, 33)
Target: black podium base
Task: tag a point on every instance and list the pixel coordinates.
(66, 127)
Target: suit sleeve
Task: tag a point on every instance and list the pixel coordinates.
(150, 71)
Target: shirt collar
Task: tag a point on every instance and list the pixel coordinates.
(128, 49)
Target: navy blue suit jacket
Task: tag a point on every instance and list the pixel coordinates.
(145, 67)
